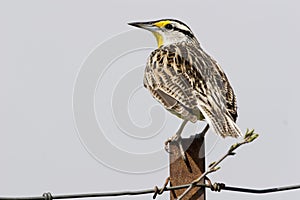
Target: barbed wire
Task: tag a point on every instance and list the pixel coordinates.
(218, 187)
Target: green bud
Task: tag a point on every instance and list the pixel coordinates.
(234, 146)
(211, 164)
(216, 168)
(252, 138)
(248, 133)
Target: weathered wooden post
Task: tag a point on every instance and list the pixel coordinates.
(182, 173)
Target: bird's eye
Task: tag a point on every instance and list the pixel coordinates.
(169, 26)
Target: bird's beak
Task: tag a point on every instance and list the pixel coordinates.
(144, 25)
(150, 26)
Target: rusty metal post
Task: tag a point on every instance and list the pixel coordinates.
(184, 173)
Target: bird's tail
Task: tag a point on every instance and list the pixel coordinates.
(221, 123)
(233, 129)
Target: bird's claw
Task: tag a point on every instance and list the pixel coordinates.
(167, 148)
(174, 138)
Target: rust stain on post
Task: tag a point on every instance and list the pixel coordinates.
(180, 173)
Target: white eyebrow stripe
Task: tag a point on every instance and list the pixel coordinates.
(182, 27)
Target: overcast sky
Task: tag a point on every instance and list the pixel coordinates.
(75, 117)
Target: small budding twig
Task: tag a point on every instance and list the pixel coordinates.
(250, 136)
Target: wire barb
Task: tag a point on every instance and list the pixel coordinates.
(216, 187)
(47, 196)
(158, 191)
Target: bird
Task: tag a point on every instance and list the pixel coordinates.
(187, 81)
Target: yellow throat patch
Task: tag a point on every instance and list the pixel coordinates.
(159, 39)
(158, 36)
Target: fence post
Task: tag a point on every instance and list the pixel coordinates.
(182, 173)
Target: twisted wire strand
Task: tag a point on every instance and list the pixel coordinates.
(214, 187)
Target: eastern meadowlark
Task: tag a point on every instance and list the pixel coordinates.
(187, 81)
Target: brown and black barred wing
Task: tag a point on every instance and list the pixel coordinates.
(169, 86)
(218, 105)
(190, 84)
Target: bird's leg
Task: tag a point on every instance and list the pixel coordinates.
(177, 138)
(204, 131)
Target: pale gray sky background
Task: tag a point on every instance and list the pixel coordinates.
(43, 48)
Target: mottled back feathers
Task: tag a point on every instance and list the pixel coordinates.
(191, 85)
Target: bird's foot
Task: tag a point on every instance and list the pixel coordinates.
(176, 138)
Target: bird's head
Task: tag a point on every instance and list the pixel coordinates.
(167, 31)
